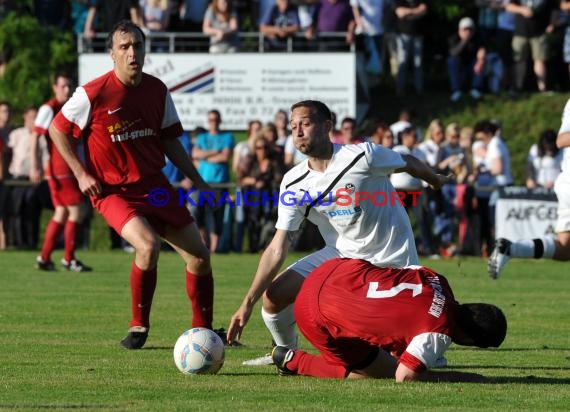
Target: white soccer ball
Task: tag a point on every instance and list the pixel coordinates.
(199, 351)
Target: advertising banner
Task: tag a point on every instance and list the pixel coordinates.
(244, 86)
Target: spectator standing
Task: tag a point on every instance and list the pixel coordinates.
(504, 41)
(487, 20)
(221, 24)
(281, 121)
(432, 201)
(5, 129)
(124, 163)
(213, 149)
(156, 19)
(532, 21)
(466, 61)
(408, 183)
(79, 12)
(64, 189)
(192, 14)
(496, 167)
(25, 205)
(260, 174)
(155, 15)
(451, 160)
(368, 21)
(334, 16)
(109, 12)
(242, 151)
(544, 161)
(52, 13)
(279, 23)
(410, 41)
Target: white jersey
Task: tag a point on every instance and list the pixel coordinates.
(353, 204)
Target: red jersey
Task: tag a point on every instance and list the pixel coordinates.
(57, 167)
(122, 127)
(347, 306)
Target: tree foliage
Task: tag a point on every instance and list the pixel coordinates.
(33, 53)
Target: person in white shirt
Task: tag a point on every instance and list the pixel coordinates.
(548, 247)
(497, 159)
(408, 183)
(544, 161)
(345, 191)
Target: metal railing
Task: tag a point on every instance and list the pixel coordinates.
(179, 42)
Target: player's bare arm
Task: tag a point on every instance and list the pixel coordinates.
(563, 140)
(419, 169)
(177, 155)
(269, 265)
(88, 185)
(35, 162)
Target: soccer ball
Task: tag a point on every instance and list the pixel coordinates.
(199, 351)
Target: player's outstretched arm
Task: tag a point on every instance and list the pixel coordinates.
(88, 185)
(269, 264)
(419, 169)
(174, 150)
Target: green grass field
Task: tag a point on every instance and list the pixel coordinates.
(60, 332)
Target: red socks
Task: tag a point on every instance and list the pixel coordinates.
(53, 231)
(69, 243)
(143, 284)
(200, 290)
(315, 365)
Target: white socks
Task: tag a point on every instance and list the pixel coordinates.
(543, 247)
(282, 327)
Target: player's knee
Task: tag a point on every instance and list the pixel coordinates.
(275, 300)
(148, 249)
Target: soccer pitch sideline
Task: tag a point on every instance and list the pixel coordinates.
(60, 332)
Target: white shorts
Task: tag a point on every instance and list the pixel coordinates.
(309, 263)
(562, 190)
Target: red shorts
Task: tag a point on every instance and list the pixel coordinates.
(121, 204)
(324, 334)
(64, 191)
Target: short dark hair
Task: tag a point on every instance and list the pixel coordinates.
(57, 75)
(123, 26)
(405, 132)
(485, 126)
(217, 113)
(316, 107)
(484, 324)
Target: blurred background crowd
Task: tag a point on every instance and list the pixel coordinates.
(499, 47)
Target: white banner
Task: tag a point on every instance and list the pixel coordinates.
(525, 214)
(244, 86)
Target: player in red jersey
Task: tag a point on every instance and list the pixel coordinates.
(372, 322)
(129, 123)
(64, 190)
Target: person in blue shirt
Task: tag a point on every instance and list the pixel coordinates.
(213, 150)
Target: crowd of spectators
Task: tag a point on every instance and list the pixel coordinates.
(489, 51)
(456, 219)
